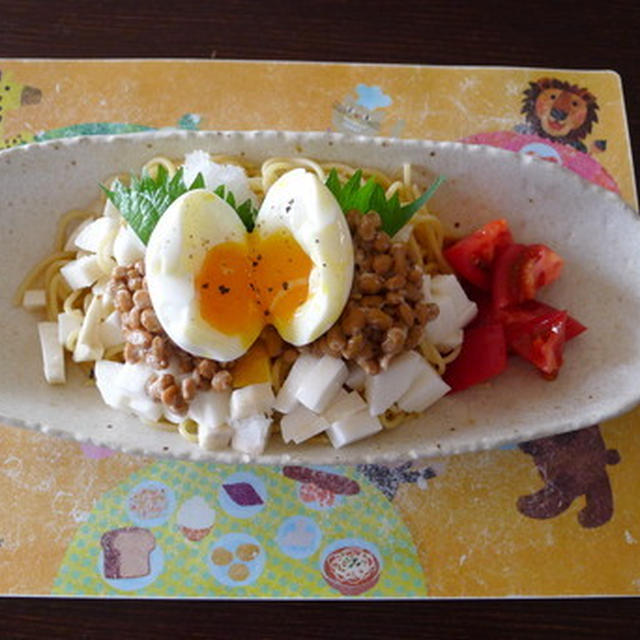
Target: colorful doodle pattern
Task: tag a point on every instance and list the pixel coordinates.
(276, 550)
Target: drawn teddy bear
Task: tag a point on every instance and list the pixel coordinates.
(571, 465)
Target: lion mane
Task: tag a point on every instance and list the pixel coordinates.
(529, 108)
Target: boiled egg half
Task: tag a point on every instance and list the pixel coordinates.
(214, 286)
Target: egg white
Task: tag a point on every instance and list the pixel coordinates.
(193, 224)
(300, 203)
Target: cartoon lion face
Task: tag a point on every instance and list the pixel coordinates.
(559, 110)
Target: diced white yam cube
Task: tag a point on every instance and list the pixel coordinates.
(344, 405)
(52, 353)
(91, 237)
(444, 330)
(427, 388)
(110, 333)
(88, 345)
(127, 247)
(82, 272)
(70, 244)
(251, 400)
(107, 374)
(146, 408)
(210, 409)
(286, 398)
(356, 377)
(301, 424)
(34, 299)
(386, 387)
(133, 377)
(322, 383)
(214, 438)
(354, 427)
(250, 435)
(67, 324)
(122, 386)
(448, 286)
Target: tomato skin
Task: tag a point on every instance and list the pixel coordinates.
(531, 309)
(540, 340)
(483, 356)
(503, 277)
(472, 257)
(520, 270)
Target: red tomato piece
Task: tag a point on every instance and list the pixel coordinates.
(540, 340)
(531, 309)
(520, 270)
(472, 257)
(483, 356)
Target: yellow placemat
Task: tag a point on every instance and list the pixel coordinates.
(557, 516)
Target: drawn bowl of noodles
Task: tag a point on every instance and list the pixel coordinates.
(351, 566)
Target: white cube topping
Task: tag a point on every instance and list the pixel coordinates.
(88, 346)
(91, 237)
(82, 272)
(67, 324)
(214, 438)
(250, 435)
(107, 374)
(251, 400)
(110, 333)
(344, 405)
(354, 427)
(52, 353)
(70, 244)
(127, 247)
(385, 388)
(286, 398)
(301, 424)
(210, 409)
(427, 388)
(356, 377)
(322, 383)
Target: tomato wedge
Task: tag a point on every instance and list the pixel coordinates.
(532, 309)
(520, 270)
(483, 356)
(540, 340)
(472, 256)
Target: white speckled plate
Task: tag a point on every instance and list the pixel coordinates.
(595, 232)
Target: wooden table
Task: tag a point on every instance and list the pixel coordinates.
(570, 34)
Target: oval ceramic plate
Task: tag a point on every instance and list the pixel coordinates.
(594, 231)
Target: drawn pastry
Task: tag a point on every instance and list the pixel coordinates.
(238, 572)
(127, 552)
(195, 518)
(221, 556)
(236, 560)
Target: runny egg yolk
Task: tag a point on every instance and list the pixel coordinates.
(243, 286)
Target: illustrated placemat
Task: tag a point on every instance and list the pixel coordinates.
(557, 516)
